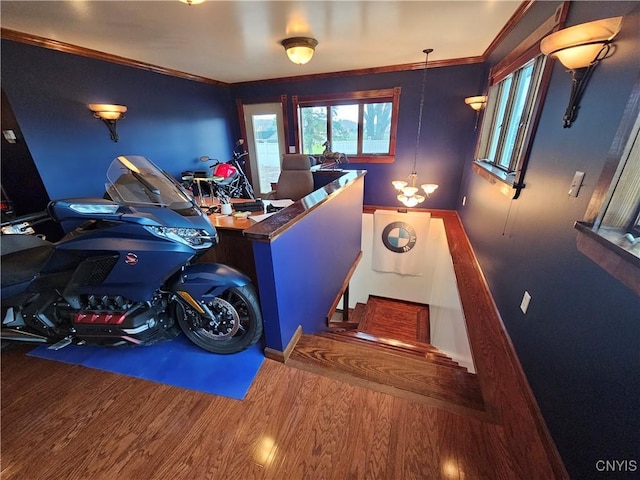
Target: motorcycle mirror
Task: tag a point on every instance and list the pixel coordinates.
(204, 158)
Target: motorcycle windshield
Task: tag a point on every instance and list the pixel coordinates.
(135, 180)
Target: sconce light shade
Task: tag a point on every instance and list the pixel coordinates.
(192, 2)
(580, 49)
(477, 103)
(109, 114)
(578, 46)
(429, 188)
(299, 49)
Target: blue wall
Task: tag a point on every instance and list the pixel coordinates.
(447, 134)
(171, 121)
(579, 341)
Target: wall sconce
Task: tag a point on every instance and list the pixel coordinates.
(580, 48)
(109, 114)
(477, 103)
(299, 49)
(192, 2)
(407, 191)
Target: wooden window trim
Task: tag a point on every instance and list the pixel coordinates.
(383, 95)
(618, 262)
(516, 59)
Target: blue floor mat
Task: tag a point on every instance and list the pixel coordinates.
(178, 362)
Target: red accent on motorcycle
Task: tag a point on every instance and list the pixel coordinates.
(224, 170)
(101, 318)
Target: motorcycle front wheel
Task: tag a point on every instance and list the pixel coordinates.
(237, 322)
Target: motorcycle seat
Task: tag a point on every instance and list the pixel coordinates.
(23, 256)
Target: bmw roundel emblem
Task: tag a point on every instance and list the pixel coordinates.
(131, 259)
(399, 237)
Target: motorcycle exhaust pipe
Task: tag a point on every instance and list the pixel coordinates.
(20, 336)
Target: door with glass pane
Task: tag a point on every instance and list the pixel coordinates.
(265, 132)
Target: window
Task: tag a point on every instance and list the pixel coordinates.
(609, 234)
(362, 125)
(517, 87)
(508, 121)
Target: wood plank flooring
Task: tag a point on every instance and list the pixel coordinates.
(68, 422)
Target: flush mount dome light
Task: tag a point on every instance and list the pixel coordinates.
(299, 49)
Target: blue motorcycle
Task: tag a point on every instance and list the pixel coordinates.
(125, 273)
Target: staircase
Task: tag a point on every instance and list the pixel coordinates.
(384, 346)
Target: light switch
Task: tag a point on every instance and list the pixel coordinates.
(576, 183)
(524, 305)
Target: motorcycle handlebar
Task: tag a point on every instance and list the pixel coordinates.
(31, 218)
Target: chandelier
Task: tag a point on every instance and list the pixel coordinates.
(407, 190)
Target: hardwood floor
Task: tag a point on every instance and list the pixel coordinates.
(68, 422)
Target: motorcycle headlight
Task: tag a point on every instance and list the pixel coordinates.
(193, 237)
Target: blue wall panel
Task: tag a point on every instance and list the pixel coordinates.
(578, 342)
(171, 121)
(303, 269)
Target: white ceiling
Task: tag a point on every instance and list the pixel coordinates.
(236, 41)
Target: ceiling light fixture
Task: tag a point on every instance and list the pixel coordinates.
(580, 48)
(299, 49)
(407, 191)
(109, 114)
(192, 2)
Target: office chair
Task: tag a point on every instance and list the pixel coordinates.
(296, 179)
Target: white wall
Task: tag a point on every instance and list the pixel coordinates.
(436, 287)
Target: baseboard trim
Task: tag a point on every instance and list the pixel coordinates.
(283, 356)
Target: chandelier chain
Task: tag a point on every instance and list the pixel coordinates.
(424, 81)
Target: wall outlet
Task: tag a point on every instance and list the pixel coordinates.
(524, 305)
(292, 149)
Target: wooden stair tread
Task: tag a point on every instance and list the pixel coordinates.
(402, 372)
(418, 349)
(410, 321)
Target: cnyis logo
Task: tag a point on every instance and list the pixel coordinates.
(131, 259)
(399, 237)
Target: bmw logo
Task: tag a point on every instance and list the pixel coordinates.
(399, 237)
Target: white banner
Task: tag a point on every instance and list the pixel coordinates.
(399, 241)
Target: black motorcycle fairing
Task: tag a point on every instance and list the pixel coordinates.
(23, 256)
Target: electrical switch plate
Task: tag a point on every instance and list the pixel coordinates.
(576, 183)
(292, 149)
(524, 305)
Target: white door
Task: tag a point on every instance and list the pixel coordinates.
(265, 132)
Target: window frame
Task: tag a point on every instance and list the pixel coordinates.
(390, 95)
(605, 247)
(510, 181)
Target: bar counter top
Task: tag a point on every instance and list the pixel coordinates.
(273, 226)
